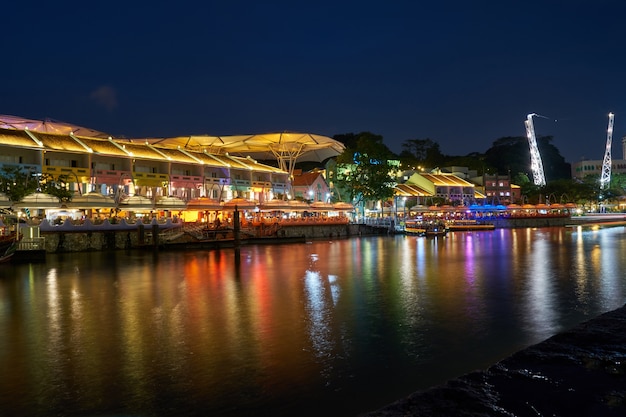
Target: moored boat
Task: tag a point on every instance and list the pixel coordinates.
(415, 228)
(469, 225)
(8, 253)
(8, 246)
(425, 228)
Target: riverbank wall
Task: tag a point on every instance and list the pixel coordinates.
(67, 238)
(64, 239)
(580, 372)
(537, 221)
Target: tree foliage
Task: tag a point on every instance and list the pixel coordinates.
(422, 152)
(363, 171)
(17, 183)
(618, 180)
(475, 161)
(57, 187)
(561, 191)
(512, 154)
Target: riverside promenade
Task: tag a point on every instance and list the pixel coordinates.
(579, 372)
(87, 236)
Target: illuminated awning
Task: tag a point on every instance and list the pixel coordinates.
(92, 201)
(136, 203)
(410, 190)
(38, 201)
(204, 203)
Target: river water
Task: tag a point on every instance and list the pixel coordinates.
(322, 328)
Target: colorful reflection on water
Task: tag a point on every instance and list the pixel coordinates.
(324, 328)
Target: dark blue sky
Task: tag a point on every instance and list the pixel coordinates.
(463, 73)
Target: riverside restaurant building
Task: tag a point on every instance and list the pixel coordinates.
(155, 176)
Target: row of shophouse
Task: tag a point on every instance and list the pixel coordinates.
(121, 169)
(451, 185)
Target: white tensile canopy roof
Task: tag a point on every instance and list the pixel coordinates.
(287, 147)
(53, 127)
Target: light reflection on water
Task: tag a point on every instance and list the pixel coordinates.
(333, 328)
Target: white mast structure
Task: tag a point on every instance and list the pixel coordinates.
(535, 158)
(605, 179)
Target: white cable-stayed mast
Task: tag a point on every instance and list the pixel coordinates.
(535, 158)
(605, 179)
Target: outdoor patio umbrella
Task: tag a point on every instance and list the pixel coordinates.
(321, 206)
(274, 205)
(136, 203)
(5, 201)
(341, 206)
(92, 200)
(297, 205)
(204, 203)
(38, 201)
(170, 203)
(240, 203)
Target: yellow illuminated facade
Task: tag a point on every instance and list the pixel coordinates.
(122, 168)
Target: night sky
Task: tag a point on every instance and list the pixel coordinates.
(462, 73)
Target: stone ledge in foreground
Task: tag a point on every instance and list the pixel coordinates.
(580, 372)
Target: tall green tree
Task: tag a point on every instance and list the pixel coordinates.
(475, 161)
(618, 180)
(424, 152)
(57, 187)
(363, 169)
(512, 154)
(17, 183)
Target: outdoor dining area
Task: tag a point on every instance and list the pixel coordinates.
(263, 219)
(491, 212)
(208, 217)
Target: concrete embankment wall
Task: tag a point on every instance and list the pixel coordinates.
(580, 372)
(70, 241)
(538, 221)
(331, 231)
(64, 241)
(90, 241)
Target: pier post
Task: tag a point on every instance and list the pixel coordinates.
(155, 235)
(236, 228)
